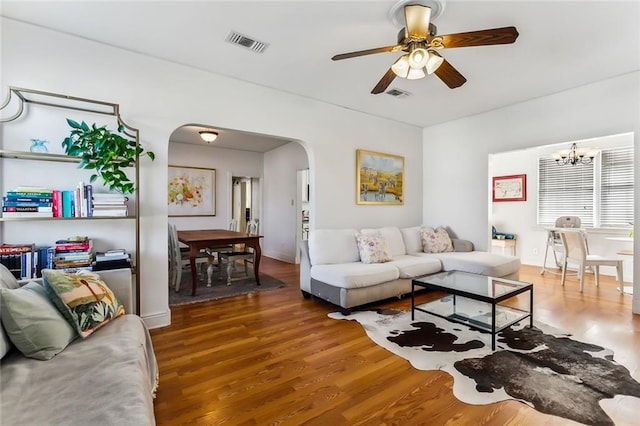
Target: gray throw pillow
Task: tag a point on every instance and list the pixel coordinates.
(33, 323)
(7, 280)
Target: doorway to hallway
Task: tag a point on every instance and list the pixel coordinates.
(245, 200)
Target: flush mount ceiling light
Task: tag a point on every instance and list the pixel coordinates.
(208, 135)
(574, 155)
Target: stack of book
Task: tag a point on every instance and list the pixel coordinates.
(73, 254)
(27, 202)
(109, 204)
(20, 259)
(112, 259)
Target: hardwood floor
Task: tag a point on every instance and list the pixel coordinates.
(276, 358)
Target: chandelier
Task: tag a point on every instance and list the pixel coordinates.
(574, 155)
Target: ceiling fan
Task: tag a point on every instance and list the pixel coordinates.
(420, 41)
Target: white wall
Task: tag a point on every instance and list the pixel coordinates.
(157, 97)
(603, 108)
(280, 200)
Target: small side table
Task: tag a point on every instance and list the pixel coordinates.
(504, 245)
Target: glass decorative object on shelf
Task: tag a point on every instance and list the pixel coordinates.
(38, 145)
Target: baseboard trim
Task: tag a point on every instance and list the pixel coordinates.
(158, 320)
(281, 258)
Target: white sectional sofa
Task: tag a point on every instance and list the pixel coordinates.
(331, 268)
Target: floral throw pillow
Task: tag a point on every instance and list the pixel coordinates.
(436, 241)
(373, 248)
(83, 298)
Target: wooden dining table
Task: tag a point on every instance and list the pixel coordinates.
(216, 238)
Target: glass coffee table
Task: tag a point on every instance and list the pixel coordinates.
(474, 300)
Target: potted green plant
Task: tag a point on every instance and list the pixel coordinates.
(106, 152)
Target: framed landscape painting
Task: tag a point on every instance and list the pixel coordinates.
(380, 178)
(192, 191)
(510, 188)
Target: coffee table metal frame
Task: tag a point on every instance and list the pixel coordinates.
(438, 282)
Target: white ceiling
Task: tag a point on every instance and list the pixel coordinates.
(562, 44)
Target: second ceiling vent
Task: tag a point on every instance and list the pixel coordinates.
(244, 41)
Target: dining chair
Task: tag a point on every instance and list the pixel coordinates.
(214, 252)
(554, 242)
(577, 250)
(179, 260)
(246, 254)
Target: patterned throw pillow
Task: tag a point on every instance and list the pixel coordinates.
(436, 241)
(83, 298)
(373, 248)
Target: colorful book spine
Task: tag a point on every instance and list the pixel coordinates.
(26, 204)
(67, 203)
(7, 199)
(56, 203)
(77, 203)
(26, 214)
(29, 194)
(26, 209)
(88, 189)
(15, 248)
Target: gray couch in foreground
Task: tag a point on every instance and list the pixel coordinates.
(109, 378)
(330, 266)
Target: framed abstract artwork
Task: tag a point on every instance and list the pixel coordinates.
(379, 178)
(192, 191)
(510, 188)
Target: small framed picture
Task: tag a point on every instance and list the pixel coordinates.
(510, 188)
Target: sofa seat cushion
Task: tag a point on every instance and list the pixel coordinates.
(478, 262)
(414, 266)
(355, 275)
(107, 379)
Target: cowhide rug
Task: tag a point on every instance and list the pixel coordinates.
(540, 366)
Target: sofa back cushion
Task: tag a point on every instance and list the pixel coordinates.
(7, 280)
(412, 239)
(331, 246)
(393, 237)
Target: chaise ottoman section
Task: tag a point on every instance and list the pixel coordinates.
(479, 262)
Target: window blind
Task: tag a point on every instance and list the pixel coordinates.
(565, 191)
(617, 187)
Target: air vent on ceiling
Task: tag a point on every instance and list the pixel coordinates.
(398, 93)
(248, 42)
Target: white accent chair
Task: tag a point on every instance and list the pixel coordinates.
(179, 259)
(576, 250)
(244, 253)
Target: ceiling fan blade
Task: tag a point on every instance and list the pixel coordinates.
(384, 82)
(505, 35)
(417, 19)
(395, 48)
(449, 75)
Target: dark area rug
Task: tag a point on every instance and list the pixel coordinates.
(540, 366)
(219, 288)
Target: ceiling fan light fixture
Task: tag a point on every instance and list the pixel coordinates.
(416, 74)
(433, 62)
(208, 135)
(418, 58)
(401, 66)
